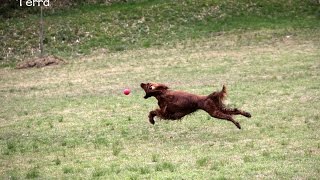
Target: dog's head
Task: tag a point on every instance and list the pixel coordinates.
(153, 89)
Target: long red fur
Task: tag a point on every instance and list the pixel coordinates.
(175, 105)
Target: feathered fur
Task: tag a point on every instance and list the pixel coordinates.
(174, 105)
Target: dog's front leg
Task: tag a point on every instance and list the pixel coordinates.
(158, 112)
(151, 116)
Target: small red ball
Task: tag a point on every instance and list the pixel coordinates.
(126, 91)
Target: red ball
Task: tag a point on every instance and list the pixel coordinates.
(126, 91)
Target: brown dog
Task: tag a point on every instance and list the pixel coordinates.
(176, 104)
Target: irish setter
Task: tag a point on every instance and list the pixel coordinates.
(176, 104)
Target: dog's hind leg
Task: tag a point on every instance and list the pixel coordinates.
(236, 111)
(221, 115)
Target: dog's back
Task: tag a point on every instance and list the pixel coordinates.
(179, 102)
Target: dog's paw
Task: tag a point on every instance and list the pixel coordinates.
(151, 121)
(246, 114)
(238, 125)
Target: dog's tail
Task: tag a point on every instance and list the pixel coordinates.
(219, 96)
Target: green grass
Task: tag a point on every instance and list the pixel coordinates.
(73, 121)
(84, 29)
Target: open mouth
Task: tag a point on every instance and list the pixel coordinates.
(143, 86)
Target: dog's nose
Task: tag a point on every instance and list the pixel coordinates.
(142, 85)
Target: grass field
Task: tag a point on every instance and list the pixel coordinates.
(73, 122)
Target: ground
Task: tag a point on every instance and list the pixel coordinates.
(40, 62)
(72, 120)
